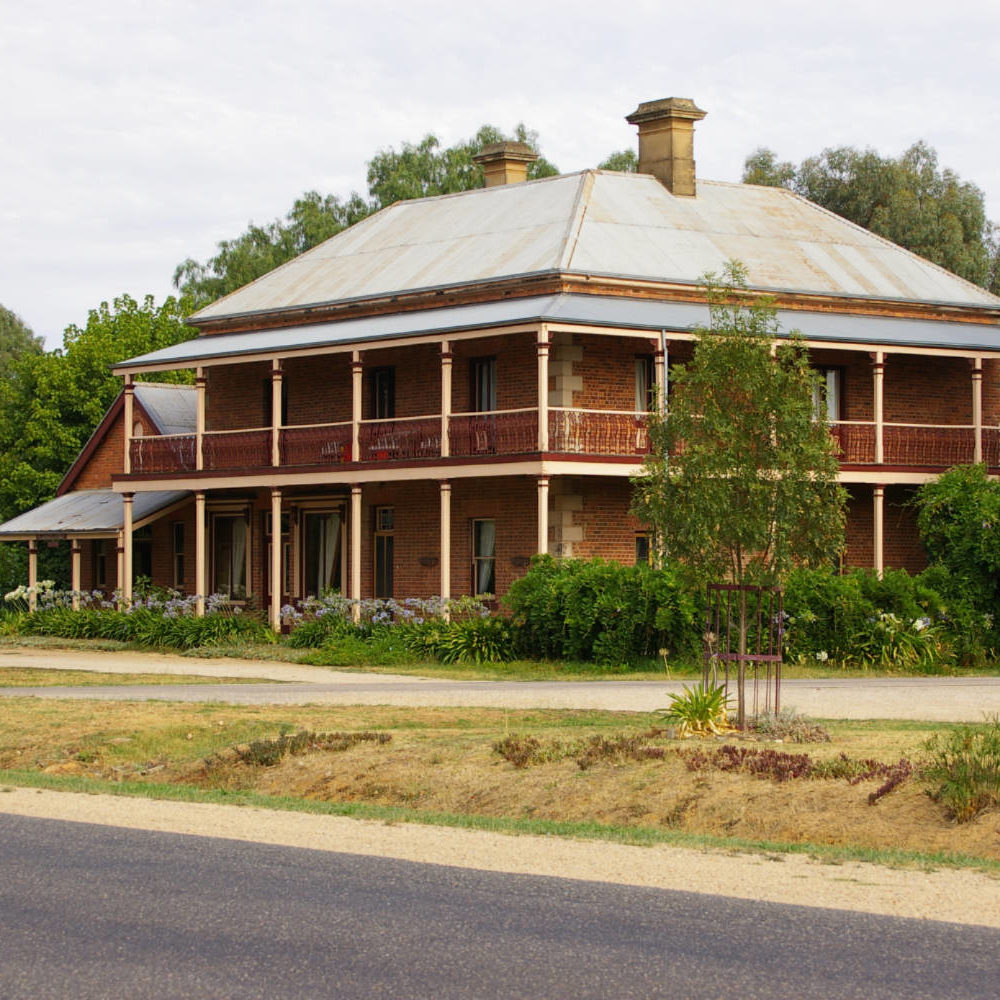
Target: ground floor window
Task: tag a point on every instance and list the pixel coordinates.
(484, 556)
(385, 524)
(229, 555)
(177, 538)
(321, 552)
(142, 554)
(643, 550)
(100, 562)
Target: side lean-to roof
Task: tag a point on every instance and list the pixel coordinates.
(601, 223)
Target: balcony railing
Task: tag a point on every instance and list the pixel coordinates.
(497, 432)
(237, 449)
(597, 432)
(316, 444)
(855, 442)
(400, 439)
(166, 453)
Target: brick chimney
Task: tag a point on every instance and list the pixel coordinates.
(505, 162)
(666, 141)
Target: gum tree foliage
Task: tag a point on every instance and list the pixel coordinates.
(625, 161)
(50, 403)
(414, 171)
(958, 516)
(909, 199)
(741, 480)
(16, 338)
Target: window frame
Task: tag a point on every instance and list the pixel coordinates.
(478, 559)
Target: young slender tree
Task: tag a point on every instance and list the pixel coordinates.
(741, 480)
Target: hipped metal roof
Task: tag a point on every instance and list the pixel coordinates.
(588, 310)
(601, 223)
(87, 512)
(172, 408)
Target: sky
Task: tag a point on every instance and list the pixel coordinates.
(138, 134)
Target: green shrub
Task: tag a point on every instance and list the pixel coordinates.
(964, 770)
(698, 711)
(603, 611)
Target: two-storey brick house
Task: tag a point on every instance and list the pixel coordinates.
(423, 402)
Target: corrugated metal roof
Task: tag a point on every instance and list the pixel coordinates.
(172, 408)
(601, 223)
(87, 512)
(592, 310)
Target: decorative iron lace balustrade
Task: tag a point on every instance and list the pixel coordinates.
(498, 432)
(855, 442)
(166, 453)
(237, 449)
(924, 445)
(598, 432)
(400, 439)
(318, 444)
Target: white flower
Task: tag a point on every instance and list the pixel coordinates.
(822, 656)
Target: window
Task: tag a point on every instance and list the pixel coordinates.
(484, 557)
(383, 388)
(142, 553)
(269, 399)
(645, 383)
(229, 555)
(643, 550)
(828, 394)
(385, 521)
(177, 534)
(100, 562)
(321, 553)
(483, 384)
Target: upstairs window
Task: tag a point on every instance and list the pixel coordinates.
(645, 383)
(828, 394)
(269, 399)
(383, 393)
(483, 384)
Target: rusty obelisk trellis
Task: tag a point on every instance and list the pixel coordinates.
(744, 627)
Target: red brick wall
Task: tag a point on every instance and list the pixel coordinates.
(417, 379)
(234, 397)
(926, 390)
(901, 541)
(107, 460)
(318, 389)
(517, 371)
(609, 529)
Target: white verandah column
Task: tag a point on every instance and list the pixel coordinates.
(445, 540)
(129, 422)
(977, 409)
(446, 363)
(356, 551)
(879, 533)
(543, 515)
(126, 582)
(32, 572)
(276, 567)
(878, 374)
(200, 554)
(543, 389)
(357, 372)
(277, 377)
(75, 574)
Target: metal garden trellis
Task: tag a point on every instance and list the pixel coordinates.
(744, 626)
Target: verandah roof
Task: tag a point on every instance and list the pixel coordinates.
(97, 513)
(589, 310)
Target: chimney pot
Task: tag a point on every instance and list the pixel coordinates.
(505, 162)
(666, 141)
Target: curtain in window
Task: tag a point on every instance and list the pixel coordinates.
(239, 568)
(331, 551)
(485, 557)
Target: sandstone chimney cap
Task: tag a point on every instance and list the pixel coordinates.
(518, 152)
(666, 107)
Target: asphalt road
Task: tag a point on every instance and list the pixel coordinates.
(942, 699)
(101, 912)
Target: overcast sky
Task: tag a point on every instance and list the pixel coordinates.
(136, 134)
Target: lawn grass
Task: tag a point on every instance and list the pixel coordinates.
(44, 677)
